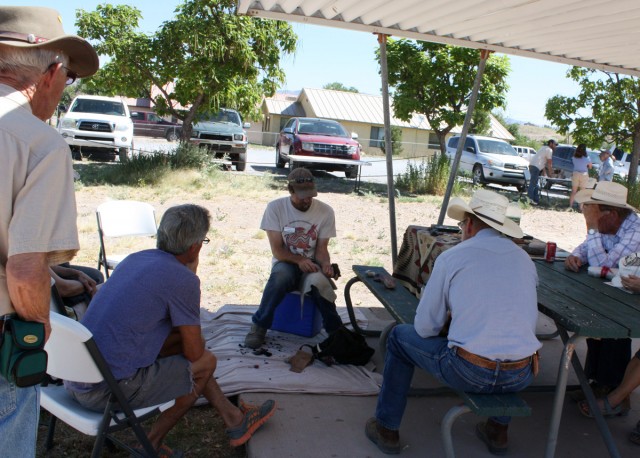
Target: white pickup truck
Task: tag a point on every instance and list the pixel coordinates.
(98, 125)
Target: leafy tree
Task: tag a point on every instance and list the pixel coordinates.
(480, 123)
(436, 80)
(396, 141)
(339, 87)
(607, 110)
(203, 58)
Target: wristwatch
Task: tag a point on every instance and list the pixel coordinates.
(592, 232)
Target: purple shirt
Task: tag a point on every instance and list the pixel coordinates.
(148, 294)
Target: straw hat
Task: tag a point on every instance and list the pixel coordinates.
(302, 182)
(38, 27)
(605, 193)
(488, 206)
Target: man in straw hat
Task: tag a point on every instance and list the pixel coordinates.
(613, 231)
(491, 344)
(37, 203)
(299, 228)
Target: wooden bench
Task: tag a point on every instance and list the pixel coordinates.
(399, 302)
(402, 305)
(484, 405)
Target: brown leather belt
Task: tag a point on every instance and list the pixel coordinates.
(490, 364)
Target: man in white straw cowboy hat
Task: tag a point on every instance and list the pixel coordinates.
(613, 231)
(37, 203)
(491, 343)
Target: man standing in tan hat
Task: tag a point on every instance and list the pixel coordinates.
(299, 228)
(613, 231)
(37, 203)
(491, 343)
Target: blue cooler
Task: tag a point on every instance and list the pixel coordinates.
(290, 317)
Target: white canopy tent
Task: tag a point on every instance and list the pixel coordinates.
(600, 34)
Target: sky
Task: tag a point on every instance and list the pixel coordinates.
(327, 55)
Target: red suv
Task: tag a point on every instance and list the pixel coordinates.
(148, 124)
(318, 137)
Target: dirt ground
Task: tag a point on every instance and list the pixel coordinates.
(235, 265)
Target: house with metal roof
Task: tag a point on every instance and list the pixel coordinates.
(362, 114)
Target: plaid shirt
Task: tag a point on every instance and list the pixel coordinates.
(606, 249)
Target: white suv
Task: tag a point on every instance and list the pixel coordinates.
(490, 160)
(96, 124)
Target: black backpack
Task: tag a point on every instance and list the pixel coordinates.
(343, 346)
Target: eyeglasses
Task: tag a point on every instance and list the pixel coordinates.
(71, 75)
(205, 240)
(462, 223)
(301, 180)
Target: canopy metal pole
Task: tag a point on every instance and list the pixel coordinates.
(382, 40)
(484, 55)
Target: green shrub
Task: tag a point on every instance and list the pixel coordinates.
(633, 198)
(428, 177)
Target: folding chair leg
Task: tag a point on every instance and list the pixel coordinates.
(51, 431)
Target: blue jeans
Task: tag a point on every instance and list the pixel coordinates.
(407, 350)
(19, 415)
(284, 278)
(534, 192)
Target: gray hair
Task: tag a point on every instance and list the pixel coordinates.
(182, 226)
(26, 65)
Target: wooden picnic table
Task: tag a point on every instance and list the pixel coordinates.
(587, 307)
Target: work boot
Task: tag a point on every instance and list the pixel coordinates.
(256, 336)
(494, 435)
(387, 440)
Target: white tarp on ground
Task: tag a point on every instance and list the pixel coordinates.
(239, 370)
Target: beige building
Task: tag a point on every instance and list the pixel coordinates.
(359, 113)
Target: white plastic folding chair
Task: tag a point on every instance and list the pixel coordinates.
(74, 356)
(121, 218)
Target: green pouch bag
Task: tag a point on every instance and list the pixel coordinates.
(23, 360)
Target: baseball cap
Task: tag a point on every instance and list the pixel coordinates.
(302, 182)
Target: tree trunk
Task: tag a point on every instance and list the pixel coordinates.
(635, 154)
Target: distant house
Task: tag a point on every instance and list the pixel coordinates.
(359, 113)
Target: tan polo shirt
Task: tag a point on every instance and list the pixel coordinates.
(37, 199)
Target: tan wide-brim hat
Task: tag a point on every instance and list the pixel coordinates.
(38, 27)
(605, 193)
(489, 207)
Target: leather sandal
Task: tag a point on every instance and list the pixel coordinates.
(621, 410)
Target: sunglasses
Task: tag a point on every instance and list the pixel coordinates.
(301, 180)
(71, 75)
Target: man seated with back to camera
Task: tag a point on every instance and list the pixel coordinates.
(491, 344)
(613, 231)
(157, 352)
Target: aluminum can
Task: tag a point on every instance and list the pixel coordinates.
(550, 252)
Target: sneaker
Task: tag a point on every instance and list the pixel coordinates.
(387, 440)
(256, 336)
(254, 417)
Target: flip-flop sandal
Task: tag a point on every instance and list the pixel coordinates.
(607, 411)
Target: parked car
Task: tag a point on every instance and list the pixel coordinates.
(98, 125)
(223, 134)
(490, 160)
(149, 124)
(525, 152)
(623, 160)
(321, 138)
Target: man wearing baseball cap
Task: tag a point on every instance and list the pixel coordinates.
(491, 344)
(37, 202)
(299, 228)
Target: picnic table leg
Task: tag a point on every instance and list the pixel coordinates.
(352, 315)
(447, 425)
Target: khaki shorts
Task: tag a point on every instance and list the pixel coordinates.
(166, 379)
(579, 180)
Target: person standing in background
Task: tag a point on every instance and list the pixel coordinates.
(606, 168)
(580, 178)
(538, 162)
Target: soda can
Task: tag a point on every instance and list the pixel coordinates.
(550, 252)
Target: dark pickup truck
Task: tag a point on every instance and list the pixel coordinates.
(149, 124)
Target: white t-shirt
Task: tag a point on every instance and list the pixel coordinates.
(539, 160)
(300, 230)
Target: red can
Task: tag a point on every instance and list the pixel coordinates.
(550, 252)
